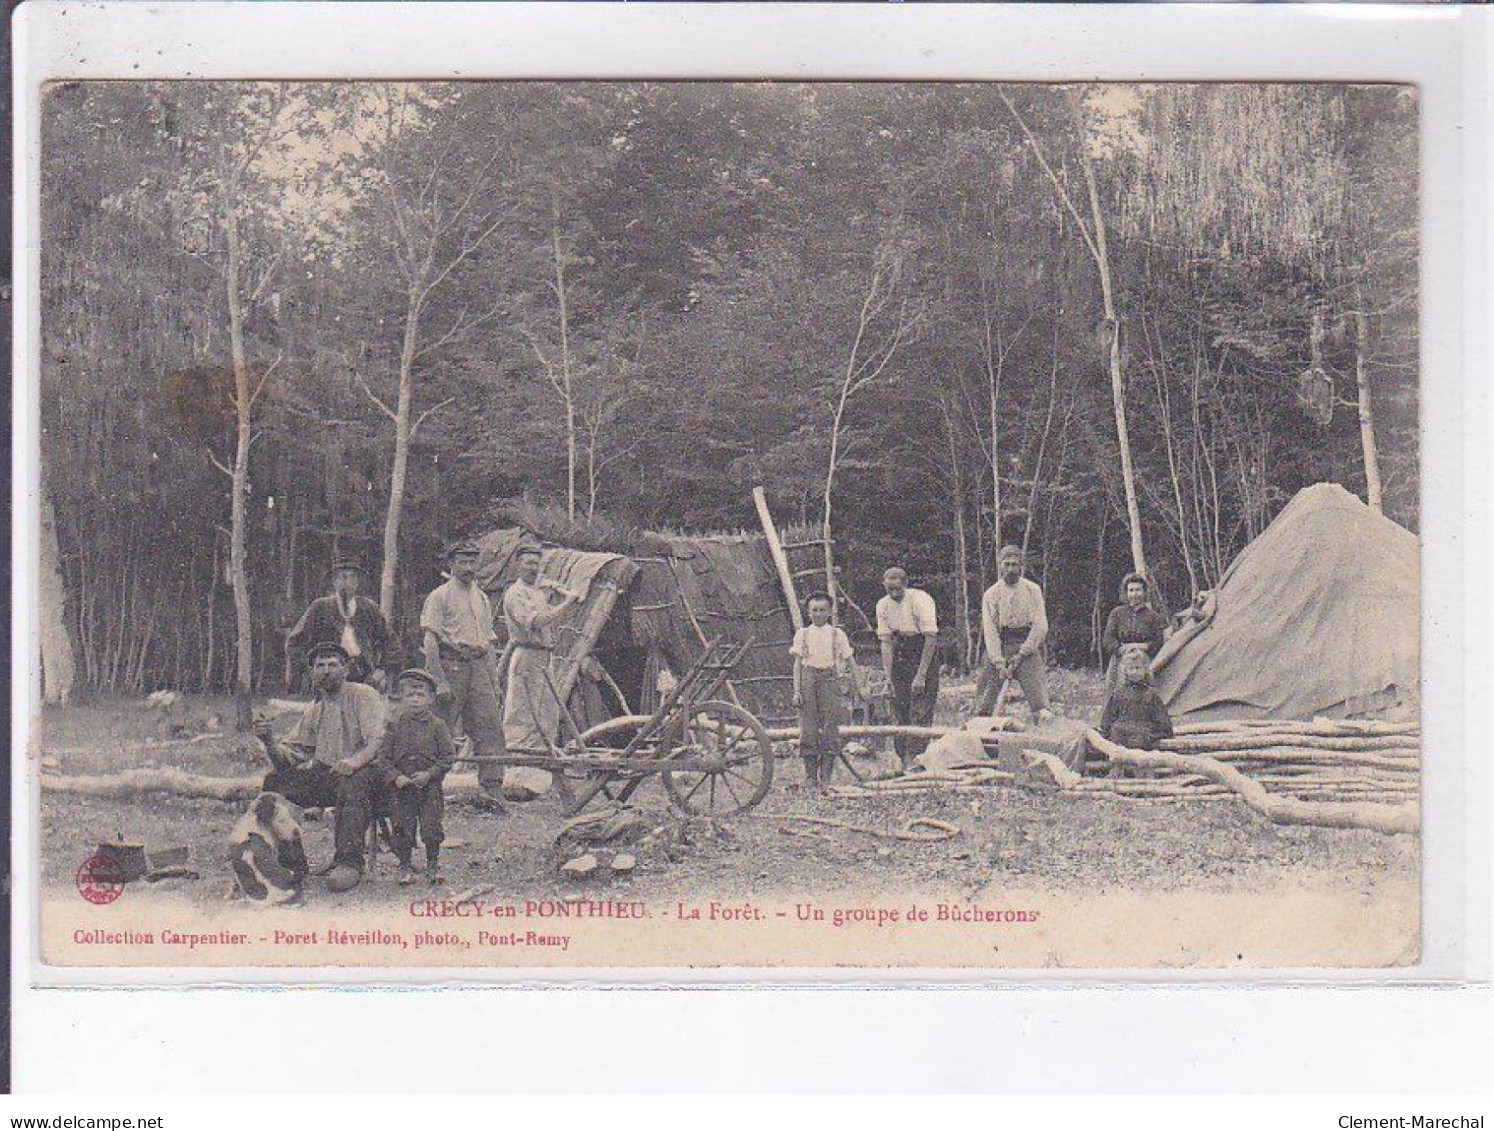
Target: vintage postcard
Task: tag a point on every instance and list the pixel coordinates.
(576, 526)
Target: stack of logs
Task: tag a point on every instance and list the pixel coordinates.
(1335, 773)
(1324, 760)
(1340, 773)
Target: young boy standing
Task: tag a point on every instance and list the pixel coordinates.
(416, 754)
(824, 669)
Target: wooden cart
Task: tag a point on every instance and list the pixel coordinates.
(713, 757)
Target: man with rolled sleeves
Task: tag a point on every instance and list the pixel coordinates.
(1014, 624)
(328, 758)
(908, 628)
(456, 624)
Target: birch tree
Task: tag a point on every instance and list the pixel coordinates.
(444, 206)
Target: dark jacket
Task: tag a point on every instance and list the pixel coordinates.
(1135, 716)
(1126, 625)
(321, 623)
(416, 743)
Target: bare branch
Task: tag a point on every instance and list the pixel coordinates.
(270, 269)
(1058, 188)
(457, 260)
(419, 420)
(387, 411)
(216, 462)
(265, 376)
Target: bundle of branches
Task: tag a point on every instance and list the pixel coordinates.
(1325, 772)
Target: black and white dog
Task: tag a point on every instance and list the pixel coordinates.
(266, 853)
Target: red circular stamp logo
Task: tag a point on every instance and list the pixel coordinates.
(100, 879)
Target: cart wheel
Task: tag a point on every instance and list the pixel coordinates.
(737, 762)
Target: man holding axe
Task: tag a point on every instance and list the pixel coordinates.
(1014, 622)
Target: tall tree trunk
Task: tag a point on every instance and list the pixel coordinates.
(993, 390)
(1366, 412)
(962, 561)
(238, 544)
(568, 395)
(398, 474)
(1117, 381)
(58, 666)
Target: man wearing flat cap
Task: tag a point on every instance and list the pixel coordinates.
(456, 625)
(1014, 623)
(342, 617)
(328, 758)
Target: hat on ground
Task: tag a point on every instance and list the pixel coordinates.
(462, 546)
(327, 648)
(419, 675)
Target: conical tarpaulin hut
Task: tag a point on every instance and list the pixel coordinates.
(1320, 615)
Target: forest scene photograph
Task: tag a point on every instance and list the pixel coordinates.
(767, 488)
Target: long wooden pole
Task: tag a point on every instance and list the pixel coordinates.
(780, 559)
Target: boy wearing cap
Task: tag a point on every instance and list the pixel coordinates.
(457, 625)
(342, 617)
(414, 759)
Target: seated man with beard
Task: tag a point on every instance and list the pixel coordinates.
(328, 759)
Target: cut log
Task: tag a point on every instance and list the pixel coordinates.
(1325, 727)
(137, 782)
(1376, 816)
(1200, 744)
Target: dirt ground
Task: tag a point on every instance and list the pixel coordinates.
(1016, 838)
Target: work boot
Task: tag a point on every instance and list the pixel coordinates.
(406, 875)
(433, 865)
(343, 877)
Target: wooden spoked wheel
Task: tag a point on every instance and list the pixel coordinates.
(734, 759)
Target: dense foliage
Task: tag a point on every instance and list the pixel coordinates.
(634, 302)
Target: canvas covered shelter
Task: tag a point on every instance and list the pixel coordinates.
(1319, 615)
(647, 612)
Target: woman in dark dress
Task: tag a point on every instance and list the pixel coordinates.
(1133, 621)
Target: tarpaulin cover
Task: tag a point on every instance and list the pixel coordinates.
(1320, 615)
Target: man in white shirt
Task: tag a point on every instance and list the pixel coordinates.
(1014, 623)
(908, 627)
(457, 626)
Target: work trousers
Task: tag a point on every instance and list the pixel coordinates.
(821, 714)
(1030, 673)
(355, 797)
(413, 808)
(912, 709)
(474, 703)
